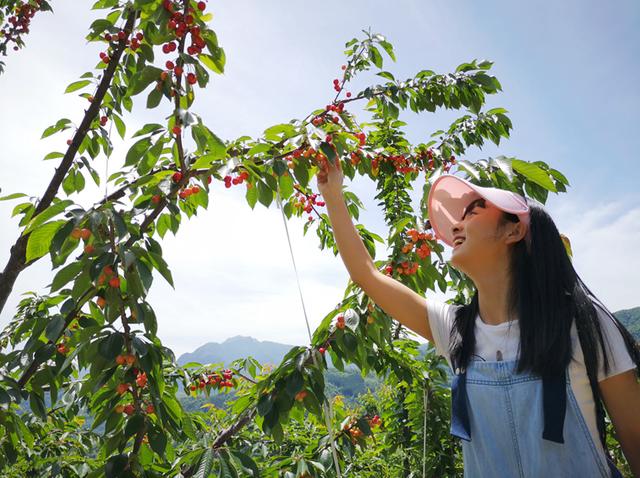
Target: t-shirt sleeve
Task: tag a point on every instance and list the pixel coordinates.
(440, 316)
(619, 359)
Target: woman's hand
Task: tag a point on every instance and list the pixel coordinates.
(330, 178)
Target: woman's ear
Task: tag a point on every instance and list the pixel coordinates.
(515, 232)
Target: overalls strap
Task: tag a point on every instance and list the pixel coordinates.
(554, 399)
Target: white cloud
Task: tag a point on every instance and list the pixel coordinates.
(604, 238)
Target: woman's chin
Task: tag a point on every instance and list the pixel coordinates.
(457, 257)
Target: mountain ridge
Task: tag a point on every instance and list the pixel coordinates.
(267, 352)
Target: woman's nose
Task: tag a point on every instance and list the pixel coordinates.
(455, 228)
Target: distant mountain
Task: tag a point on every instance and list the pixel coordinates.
(237, 347)
(630, 318)
(267, 352)
(242, 346)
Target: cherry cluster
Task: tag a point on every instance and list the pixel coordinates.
(20, 22)
(217, 380)
(418, 241)
(354, 431)
(422, 249)
(306, 203)
(85, 235)
(126, 387)
(133, 42)
(228, 180)
(184, 193)
(429, 154)
(182, 24)
(334, 108)
(109, 273)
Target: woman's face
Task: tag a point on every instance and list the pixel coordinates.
(484, 246)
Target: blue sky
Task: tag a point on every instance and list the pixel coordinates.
(568, 71)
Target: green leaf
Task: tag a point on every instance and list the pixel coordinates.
(329, 152)
(286, 186)
(47, 214)
(135, 424)
(115, 466)
(53, 155)
(12, 196)
(77, 85)
(534, 174)
(40, 239)
(37, 405)
(54, 327)
(154, 98)
(60, 125)
(375, 56)
(111, 346)
(215, 62)
(65, 275)
(246, 462)
(157, 440)
(120, 126)
(265, 193)
(143, 79)
(252, 196)
(205, 465)
(137, 151)
(388, 47)
(295, 381)
(150, 128)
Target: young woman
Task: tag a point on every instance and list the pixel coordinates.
(534, 353)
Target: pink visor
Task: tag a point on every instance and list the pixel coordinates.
(449, 195)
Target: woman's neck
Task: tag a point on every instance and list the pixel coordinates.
(493, 295)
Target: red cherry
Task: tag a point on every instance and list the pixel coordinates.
(155, 198)
(176, 129)
(202, 6)
(348, 94)
(114, 282)
(191, 78)
(343, 67)
(177, 176)
(169, 64)
(321, 350)
(139, 36)
(103, 120)
(178, 70)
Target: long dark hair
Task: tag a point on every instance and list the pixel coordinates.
(547, 295)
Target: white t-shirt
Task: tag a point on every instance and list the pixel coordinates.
(505, 338)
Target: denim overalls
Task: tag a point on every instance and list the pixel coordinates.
(519, 425)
